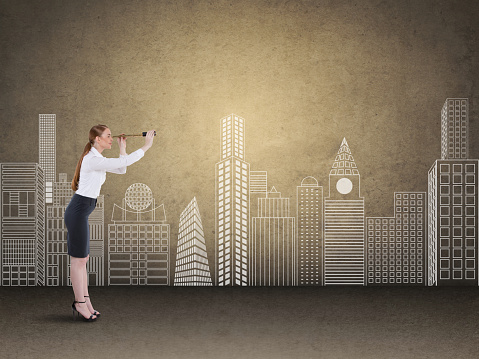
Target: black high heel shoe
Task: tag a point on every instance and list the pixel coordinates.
(91, 319)
(95, 313)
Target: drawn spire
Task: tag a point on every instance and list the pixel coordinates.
(344, 162)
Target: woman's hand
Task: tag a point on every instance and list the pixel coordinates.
(148, 140)
(122, 143)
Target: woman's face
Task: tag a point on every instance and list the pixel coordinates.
(105, 140)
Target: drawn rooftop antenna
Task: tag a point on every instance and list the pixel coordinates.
(191, 259)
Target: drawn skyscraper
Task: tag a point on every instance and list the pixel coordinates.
(58, 260)
(138, 240)
(47, 151)
(396, 246)
(191, 259)
(273, 238)
(22, 223)
(310, 232)
(344, 223)
(453, 203)
(232, 206)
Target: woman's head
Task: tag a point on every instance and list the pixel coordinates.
(100, 137)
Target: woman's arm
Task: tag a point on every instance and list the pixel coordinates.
(109, 164)
(122, 143)
(148, 140)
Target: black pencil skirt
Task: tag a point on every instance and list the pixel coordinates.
(76, 221)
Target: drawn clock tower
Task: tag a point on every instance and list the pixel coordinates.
(344, 223)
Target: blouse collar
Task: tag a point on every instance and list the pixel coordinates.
(95, 152)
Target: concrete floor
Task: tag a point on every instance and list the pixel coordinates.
(179, 322)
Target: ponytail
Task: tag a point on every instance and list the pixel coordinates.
(76, 177)
(94, 132)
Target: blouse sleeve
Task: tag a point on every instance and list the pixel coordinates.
(115, 165)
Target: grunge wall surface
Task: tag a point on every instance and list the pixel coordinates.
(303, 74)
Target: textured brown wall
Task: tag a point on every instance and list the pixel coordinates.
(303, 74)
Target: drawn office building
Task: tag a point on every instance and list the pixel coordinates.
(22, 224)
(396, 246)
(453, 203)
(273, 243)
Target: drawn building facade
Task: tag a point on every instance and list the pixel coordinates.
(58, 260)
(310, 232)
(453, 202)
(138, 240)
(258, 185)
(344, 223)
(396, 246)
(232, 206)
(192, 266)
(22, 224)
(273, 238)
(453, 222)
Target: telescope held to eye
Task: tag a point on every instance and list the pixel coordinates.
(143, 134)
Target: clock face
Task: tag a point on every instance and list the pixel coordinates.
(344, 185)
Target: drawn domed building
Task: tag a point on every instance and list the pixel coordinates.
(138, 240)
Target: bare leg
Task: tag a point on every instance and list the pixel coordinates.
(85, 289)
(77, 270)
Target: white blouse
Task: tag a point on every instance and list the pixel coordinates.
(94, 167)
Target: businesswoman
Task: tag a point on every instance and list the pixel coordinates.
(90, 174)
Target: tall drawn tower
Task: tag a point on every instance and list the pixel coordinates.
(232, 205)
(344, 223)
(453, 203)
(310, 232)
(47, 146)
